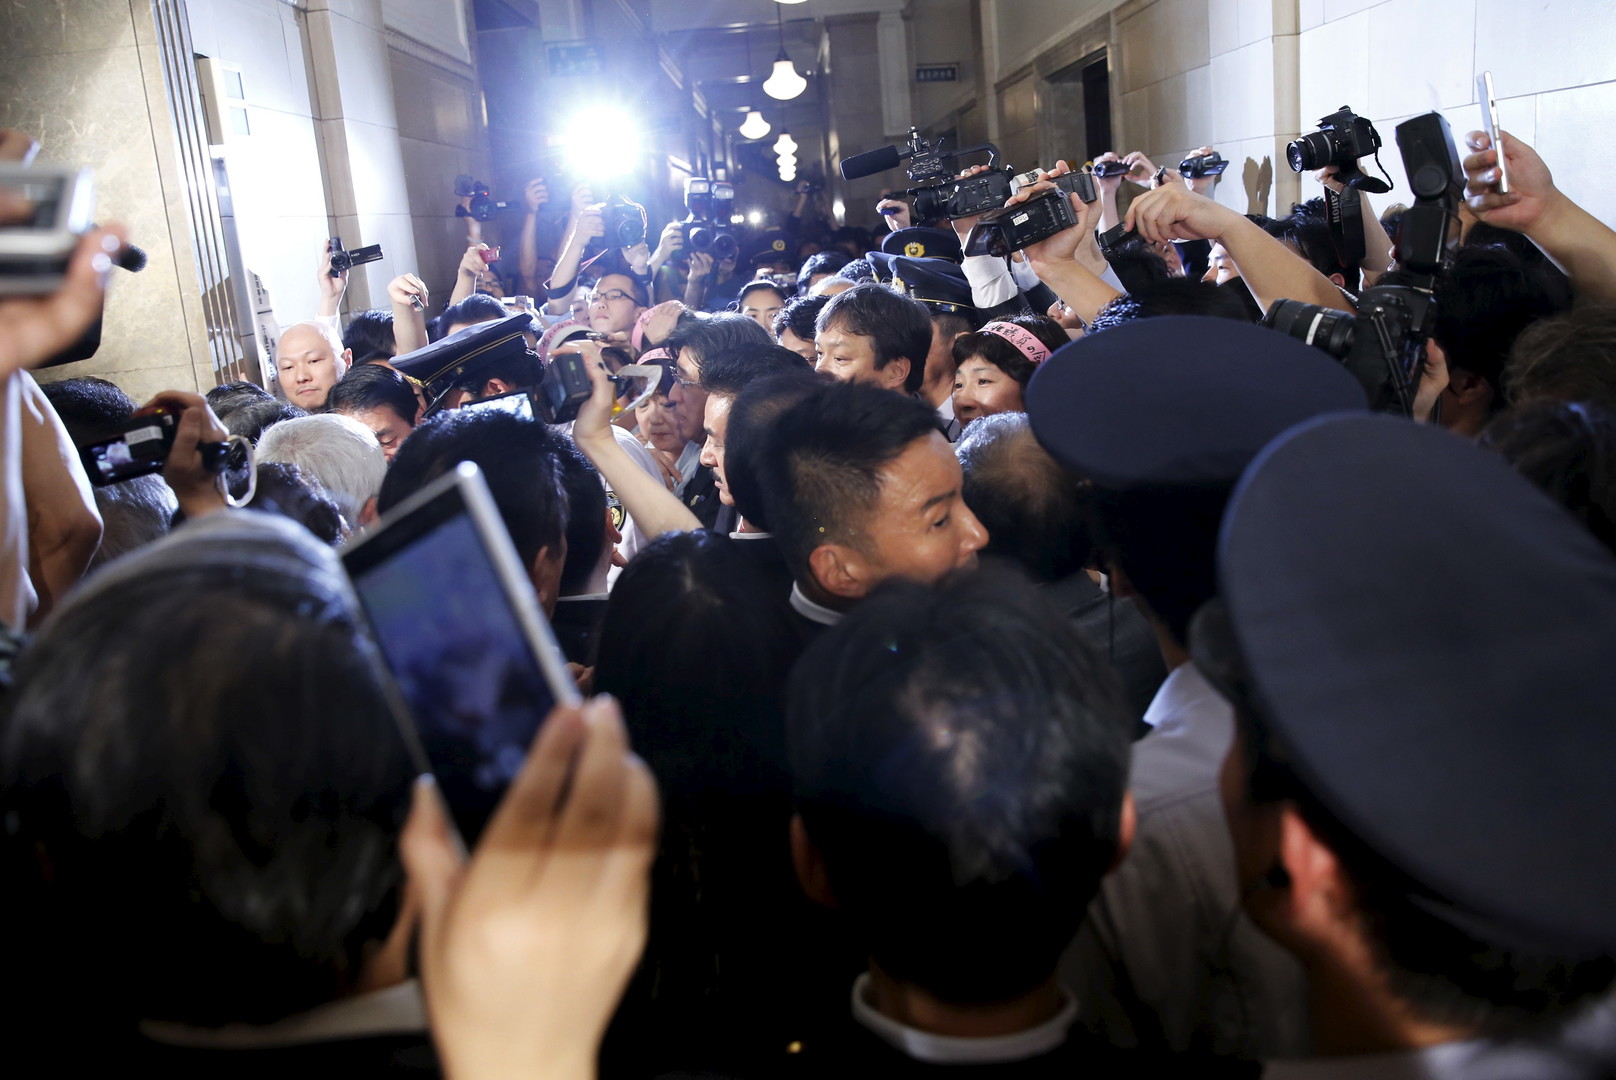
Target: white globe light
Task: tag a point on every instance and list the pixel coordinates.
(785, 144)
(786, 161)
(788, 174)
(785, 83)
(754, 127)
(755, 217)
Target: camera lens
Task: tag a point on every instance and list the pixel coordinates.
(1324, 328)
(699, 239)
(932, 202)
(1311, 151)
(725, 247)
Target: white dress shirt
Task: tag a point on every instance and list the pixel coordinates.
(959, 1050)
(811, 611)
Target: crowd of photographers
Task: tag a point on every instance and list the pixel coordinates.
(1084, 631)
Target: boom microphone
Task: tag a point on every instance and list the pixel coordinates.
(870, 162)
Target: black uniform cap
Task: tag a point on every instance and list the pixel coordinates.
(1432, 641)
(938, 283)
(920, 242)
(1180, 400)
(449, 361)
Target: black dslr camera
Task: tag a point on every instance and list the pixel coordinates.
(710, 203)
(1384, 344)
(1343, 137)
(140, 446)
(1000, 231)
(625, 221)
(483, 206)
(343, 261)
(1204, 165)
(937, 193)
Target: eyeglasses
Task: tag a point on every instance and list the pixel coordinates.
(610, 294)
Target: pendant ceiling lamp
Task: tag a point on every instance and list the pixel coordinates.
(784, 84)
(754, 127)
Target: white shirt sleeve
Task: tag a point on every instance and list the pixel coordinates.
(991, 283)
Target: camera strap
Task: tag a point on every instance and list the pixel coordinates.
(252, 474)
(1346, 225)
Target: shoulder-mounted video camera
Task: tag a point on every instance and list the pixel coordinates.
(937, 194)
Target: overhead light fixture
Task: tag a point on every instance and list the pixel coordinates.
(787, 161)
(790, 1)
(785, 144)
(788, 175)
(785, 83)
(754, 127)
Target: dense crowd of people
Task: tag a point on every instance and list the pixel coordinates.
(1029, 666)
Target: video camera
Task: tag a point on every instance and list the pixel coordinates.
(46, 211)
(937, 193)
(1006, 229)
(1203, 165)
(1384, 343)
(483, 206)
(343, 261)
(710, 204)
(566, 386)
(140, 446)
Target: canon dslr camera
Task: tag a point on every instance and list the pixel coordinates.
(1343, 137)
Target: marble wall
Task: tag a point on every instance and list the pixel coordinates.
(85, 78)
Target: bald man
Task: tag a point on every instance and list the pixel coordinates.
(309, 361)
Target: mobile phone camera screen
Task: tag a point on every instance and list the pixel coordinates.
(461, 661)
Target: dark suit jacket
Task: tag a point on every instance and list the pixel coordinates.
(1116, 628)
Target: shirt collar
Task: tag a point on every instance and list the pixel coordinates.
(1184, 695)
(738, 535)
(811, 611)
(689, 460)
(962, 1050)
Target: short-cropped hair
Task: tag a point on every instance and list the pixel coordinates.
(710, 335)
(959, 756)
(519, 457)
(337, 451)
(800, 315)
(896, 326)
(1571, 357)
(219, 806)
(88, 406)
(820, 463)
(371, 386)
(369, 336)
(730, 370)
(1028, 504)
(750, 418)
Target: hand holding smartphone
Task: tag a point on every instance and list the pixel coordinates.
(1489, 121)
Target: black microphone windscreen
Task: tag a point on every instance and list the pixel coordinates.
(870, 162)
(132, 258)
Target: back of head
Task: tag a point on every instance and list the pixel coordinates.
(1569, 450)
(284, 489)
(88, 406)
(226, 398)
(370, 336)
(714, 334)
(896, 326)
(219, 806)
(1570, 357)
(751, 416)
(251, 419)
(959, 758)
(134, 513)
(820, 263)
(1484, 298)
(370, 386)
(732, 370)
(1307, 229)
(1174, 296)
(586, 518)
(820, 463)
(519, 457)
(698, 651)
(1026, 501)
(337, 451)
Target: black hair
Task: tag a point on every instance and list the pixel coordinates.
(1023, 498)
(823, 262)
(1438, 971)
(760, 283)
(896, 326)
(697, 650)
(860, 271)
(959, 756)
(799, 316)
(371, 386)
(586, 518)
(1005, 356)
(1177, 296)
(1165, 540)
(730, 371)
(476, 308)
(370, 336)
(713, 334)
(285, 489)
(1308, 229)
(519, 458)
(253, 418)
(636, 286)
(209, 824)
(226, 398)
(1570, 357)
(521, 368)
(1569, 450)
(88, 406)
(750, 417)
(820, 463)
(1484, 298)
